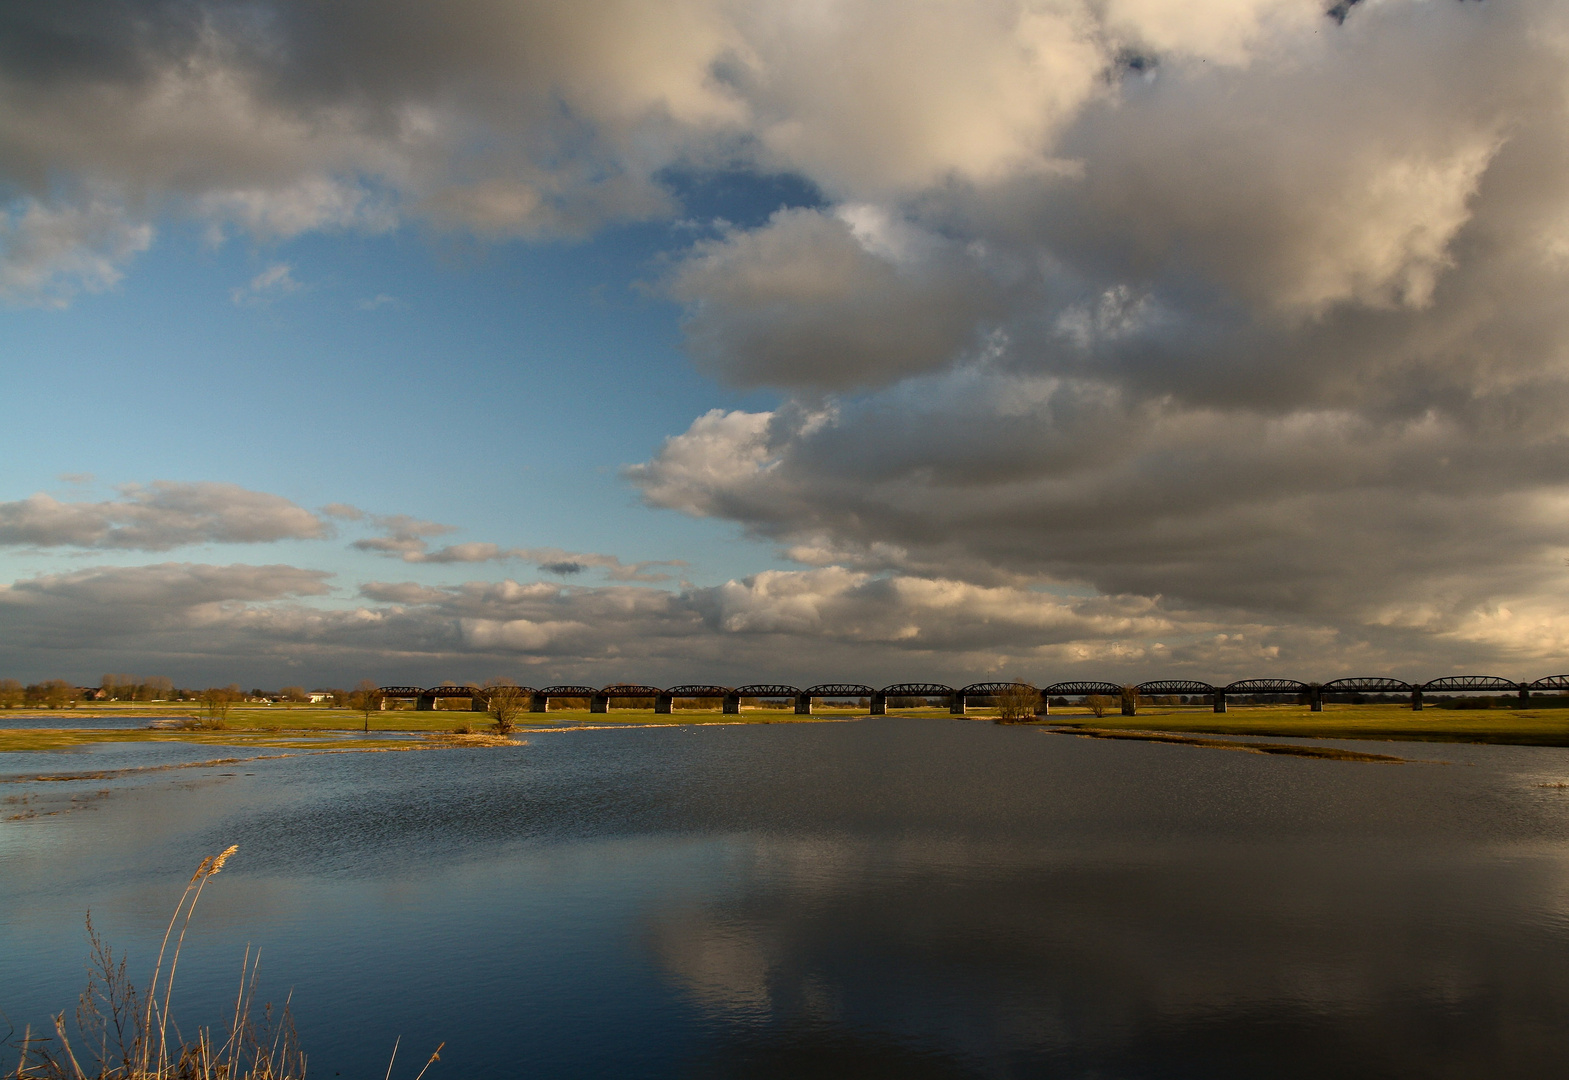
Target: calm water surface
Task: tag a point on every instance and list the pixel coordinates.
(893, 897)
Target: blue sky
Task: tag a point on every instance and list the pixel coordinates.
(501, 387)
(701, 341)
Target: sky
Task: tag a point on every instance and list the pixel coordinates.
(720, 341)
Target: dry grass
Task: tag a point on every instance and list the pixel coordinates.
(122, 1033)
(466, 736)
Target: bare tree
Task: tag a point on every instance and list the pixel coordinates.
(504, 700)
(1020, 701)
(1099, 704)
(367, 699)
(218, 700)
(51, 694)
(10, 694)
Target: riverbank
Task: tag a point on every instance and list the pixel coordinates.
(303, 726)
(1516, 727)
(39, 740)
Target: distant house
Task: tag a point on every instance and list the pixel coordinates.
(316, 697)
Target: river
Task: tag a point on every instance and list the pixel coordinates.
(889, 897)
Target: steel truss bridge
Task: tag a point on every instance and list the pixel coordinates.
(959, 699)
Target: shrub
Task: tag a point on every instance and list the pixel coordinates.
(504, 701)
(1020, 701)
(1100, 704)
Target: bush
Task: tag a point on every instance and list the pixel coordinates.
(504, 701)
(1020, 701)
(1100, 704)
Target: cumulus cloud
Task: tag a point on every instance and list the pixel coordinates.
(801, 626)
(408, 539)
(148, 610)
(1242, 308)
(157, 517)
(403, 536)
(780, 624)
(830, 300)
(1315, 519)
(49, 253)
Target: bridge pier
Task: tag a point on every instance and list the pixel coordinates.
(1130, 701)
(664, 704)
(479, 703)
(1315, 698)
(1220, 701)
(879, 704)
(1416, 700)
(803, 705)
(732, 705)
(425, 702)
(958, 706)
(539, 703)
(599, 703)
(1044, 708)
(1525, 697)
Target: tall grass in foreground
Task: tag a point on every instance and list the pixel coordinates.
(123, 1033)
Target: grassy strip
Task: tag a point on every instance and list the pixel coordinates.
(275, 718)
(45, 739)
(1328, 753)
(1526, 727)
(109, 774)
(1522, 727)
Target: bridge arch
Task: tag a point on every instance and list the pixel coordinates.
(1083, 688)
(1166, 687)
(804, 699)
(911, 689)
(1367, 685)
(729, 700)
(564, 690)
(1471, 684)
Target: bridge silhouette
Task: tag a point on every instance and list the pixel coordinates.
(959, 699)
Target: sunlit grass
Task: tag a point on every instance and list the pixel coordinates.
(42, 739)
(279, 726)
(1528, 727)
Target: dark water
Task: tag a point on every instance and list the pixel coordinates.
(900, 898)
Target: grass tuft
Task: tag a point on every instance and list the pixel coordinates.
(125, 1034)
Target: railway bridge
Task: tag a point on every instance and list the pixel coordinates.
(959, 699)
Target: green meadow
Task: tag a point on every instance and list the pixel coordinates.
(1523, 727)
(314, 727)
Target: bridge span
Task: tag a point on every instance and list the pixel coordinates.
(959, 699)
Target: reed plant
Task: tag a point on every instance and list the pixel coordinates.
(122, 1033)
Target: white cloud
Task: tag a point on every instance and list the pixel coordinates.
(50, 253)
(157, 517)
(1230, 305)
(251, 622)
(275, 281)
(407, 539)
(1309, 519)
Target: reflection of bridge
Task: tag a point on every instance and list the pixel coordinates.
(958, 699)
